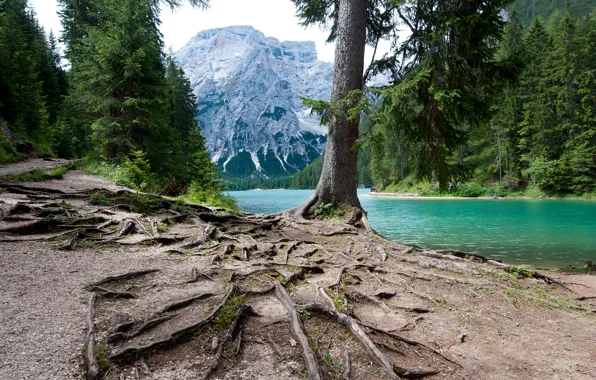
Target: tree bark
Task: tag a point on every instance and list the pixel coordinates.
(337, 184)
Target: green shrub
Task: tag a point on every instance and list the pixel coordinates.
(470, 190)
(39, 175)
(429, 190)
(134, 172)
(327, 211)
(208, 197)
(8, 153)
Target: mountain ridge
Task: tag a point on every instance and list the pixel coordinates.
(248, 88)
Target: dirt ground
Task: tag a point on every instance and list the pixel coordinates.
(216, 305)
(30, 165)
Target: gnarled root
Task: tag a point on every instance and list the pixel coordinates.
(134, 352)
(92, 365)
(243, 312)
(310, 359)
(357, 332)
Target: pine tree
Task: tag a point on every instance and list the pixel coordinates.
(21, 97)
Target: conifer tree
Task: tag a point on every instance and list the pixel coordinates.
(21, 89)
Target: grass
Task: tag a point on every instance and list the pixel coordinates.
(540, 296)
(572, 269)
(340, 302)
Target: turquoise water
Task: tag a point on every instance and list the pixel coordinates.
(543, 233)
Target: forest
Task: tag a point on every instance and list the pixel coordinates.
(123, 104)
(538, 138)
(118, 100)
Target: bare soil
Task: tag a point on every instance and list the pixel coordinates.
(30, 165)
(100, 282)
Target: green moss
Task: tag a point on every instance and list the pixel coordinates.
(8, 153)
(340, 302)
(516, 272)
(229, 311)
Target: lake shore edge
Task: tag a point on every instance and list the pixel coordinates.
(447, 197)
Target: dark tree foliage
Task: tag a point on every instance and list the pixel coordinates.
(542, 123)
(445, 75)
(132, 103)
(32, 82)
(550, 9)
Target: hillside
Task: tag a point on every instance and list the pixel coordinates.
(528, 9)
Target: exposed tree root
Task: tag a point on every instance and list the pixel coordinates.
(245, 251)
(108, 293)
(120, 277)
(357, 332)
(244, 311)
(180, 304)
(406, 340)
(128, 228)
(347, 365)
(206, 234)
(41, 226)
(150, 324)
(585, 298)
(132, 353)
(92, 365)
(196, 275)
(310, 359)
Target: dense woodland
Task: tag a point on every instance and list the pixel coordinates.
(527, 120)
(122, 103)
(535, 135)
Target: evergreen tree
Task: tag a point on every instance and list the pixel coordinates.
(21, 88)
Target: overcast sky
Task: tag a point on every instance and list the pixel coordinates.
(275, 18)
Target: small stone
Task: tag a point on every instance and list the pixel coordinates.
(462, 337)
(293, 343)
(214, 343)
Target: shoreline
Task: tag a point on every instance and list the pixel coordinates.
(450, 197)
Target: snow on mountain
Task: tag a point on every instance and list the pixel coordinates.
(248, 88)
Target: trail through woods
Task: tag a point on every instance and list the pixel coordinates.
(102, 282)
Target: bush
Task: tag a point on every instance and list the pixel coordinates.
(8, 153)
(134, 172)
(208, 197)
(470, 190)
(327, 211)
(428, 190)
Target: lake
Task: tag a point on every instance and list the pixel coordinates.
(543, 233)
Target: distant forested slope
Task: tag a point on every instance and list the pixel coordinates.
(550, 9)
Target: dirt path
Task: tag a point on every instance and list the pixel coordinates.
(226, 287)
(30, 165)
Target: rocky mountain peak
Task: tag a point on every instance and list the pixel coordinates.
(248, 88)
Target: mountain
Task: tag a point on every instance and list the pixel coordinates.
(248, 88)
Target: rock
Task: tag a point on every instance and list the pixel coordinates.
(248, 88)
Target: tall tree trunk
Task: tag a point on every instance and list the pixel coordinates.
(337, 184)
